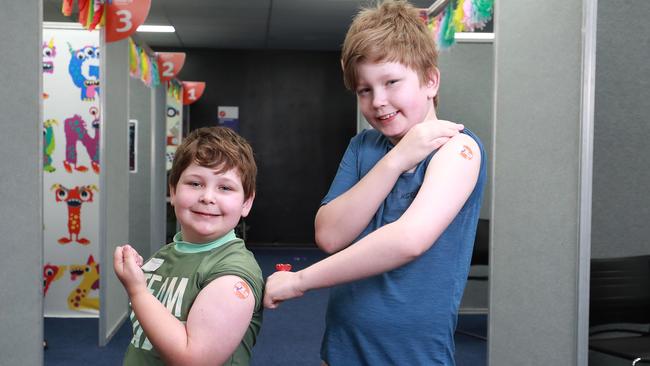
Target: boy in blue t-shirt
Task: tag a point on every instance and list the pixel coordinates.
(407, 194)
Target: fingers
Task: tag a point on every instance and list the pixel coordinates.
(437, 143)
(118, 259)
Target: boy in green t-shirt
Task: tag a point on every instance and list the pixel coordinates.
(198, 300)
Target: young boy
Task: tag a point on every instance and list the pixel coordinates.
(411, 213)
(198, 300)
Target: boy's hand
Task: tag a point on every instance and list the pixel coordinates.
(421, 140)
(126, 263)
(280, 286)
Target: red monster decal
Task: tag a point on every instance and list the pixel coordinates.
(51, 273)
(74, 197)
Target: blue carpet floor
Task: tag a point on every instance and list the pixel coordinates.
(290, 335)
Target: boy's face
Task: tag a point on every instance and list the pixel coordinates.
(208, 204)
(392, 98)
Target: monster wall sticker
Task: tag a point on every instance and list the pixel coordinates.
(80, 297)
(74, 198)
(48, 144)
(84, 279)
(72, 129)
(51, 273)
(76, 130)
(84, 70)
(49, 52)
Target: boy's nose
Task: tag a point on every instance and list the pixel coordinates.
(207, 197)
(378, 99)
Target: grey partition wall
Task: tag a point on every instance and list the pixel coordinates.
(158, 191)
(140, 114)
(539, 262)
(21, 255)
(114, 183)
(467, 95)
(621, 202)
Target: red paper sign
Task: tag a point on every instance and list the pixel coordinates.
(123, 17)
(192, 91)
(169, 64)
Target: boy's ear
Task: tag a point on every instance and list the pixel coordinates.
(248, 204)
(433, 84)
(172, 194)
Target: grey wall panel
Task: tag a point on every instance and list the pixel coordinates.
(21, 255)
(535, 254)
(621, 203)
(158, 169)
(114, 183)
(140, 180)
(466, 95)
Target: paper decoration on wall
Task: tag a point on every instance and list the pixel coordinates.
(74, 198)
(91, 12)
(192, 91)
(123, 17)
(84, 70)
(79, 297)
(170, 64)
(48, 144)
(51, 273)
(458, 16)
(49, 52)
(76, 131)
(142, 66)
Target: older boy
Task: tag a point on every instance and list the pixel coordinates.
(198, 300)
(410, 213)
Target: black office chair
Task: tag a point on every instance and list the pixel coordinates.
(619, 314)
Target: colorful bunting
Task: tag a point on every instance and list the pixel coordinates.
(459, 16)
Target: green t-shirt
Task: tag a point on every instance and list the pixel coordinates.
(179, 271)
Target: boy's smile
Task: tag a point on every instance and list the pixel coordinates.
(392, 98)
(208, 204)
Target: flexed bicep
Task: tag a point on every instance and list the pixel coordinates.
(449, 181)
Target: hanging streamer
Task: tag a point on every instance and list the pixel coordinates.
(459, 16)
(91, 12)
(142, 66)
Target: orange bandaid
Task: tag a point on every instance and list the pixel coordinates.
(467, 153)
(241, 289)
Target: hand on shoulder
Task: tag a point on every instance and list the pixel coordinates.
(422, 139)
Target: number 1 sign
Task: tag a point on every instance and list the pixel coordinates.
(192, 91)
(123, 17)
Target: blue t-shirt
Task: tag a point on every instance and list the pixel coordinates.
(406, 316)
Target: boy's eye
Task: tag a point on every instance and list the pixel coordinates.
(391, 82)
(363, 91)
(194, 184)
(225, 188)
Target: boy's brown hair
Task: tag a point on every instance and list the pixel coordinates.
(216, 148)
(393, 31)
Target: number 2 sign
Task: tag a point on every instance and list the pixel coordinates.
(192, 91)
(123, 17)
(169, 64)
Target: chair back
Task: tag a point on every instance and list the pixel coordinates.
(620, 290)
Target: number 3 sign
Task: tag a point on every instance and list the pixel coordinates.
(192, 91)
(123, 17)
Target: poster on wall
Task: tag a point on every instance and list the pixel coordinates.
(174, 120)
(133, 146)
(228, 117)
(71, 165)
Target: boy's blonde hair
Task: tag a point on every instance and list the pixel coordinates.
(393, 31)
(216, 148)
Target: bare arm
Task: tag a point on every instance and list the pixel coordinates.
(215, 324)
(340, 221)
(449, 181)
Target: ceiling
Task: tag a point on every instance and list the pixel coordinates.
(245, 24)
